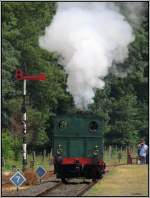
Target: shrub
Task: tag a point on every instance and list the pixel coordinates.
(11, 146)
(7, 144)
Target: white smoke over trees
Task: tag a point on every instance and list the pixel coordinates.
(90, 37)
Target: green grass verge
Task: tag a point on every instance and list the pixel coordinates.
(127, 180)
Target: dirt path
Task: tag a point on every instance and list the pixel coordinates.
(127, 180)
(31, 177)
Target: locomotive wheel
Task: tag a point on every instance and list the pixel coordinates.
(64, 180)
(96, 174)
(94, 180)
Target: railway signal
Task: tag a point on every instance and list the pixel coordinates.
(40, 171)
(17, 179)
(21, 75)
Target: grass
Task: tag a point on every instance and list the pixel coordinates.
(114, 157)
(46, 162)
(127, 180)
(117, 156)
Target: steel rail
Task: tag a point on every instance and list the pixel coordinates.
(85, 189)
(49, 189)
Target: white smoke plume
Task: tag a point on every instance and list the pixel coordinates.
(134, 11)
(90, 37)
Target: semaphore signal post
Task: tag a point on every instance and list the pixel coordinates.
(24, 146)
(21, 75)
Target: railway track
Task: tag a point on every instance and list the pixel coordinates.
(50, 189)
(85, 189)
(51, 186)
(75, 187)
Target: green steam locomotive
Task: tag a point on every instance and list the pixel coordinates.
(78, 146)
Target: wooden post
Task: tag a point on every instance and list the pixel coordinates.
(116, 148)
(14, 168)
(50, 158)
(33, 155)
(32, 164)
(110, 151)
(129, 158)
(44, 154)
(121, 149)
(119, 156)
(3, 161)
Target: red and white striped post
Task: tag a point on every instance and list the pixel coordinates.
(21, 75)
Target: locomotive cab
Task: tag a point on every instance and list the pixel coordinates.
(78, 146)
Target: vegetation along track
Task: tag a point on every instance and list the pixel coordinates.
(5, 182)
(50, 186)
(75, 187)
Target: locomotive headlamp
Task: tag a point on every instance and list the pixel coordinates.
(96, 151)
(59, 149)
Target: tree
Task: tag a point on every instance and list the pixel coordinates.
(123, 103)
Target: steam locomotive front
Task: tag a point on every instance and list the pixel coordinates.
(78, 146)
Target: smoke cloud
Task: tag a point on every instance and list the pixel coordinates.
(89, 37)
(134, 11)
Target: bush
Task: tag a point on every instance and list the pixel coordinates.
(7, 144)
(16, 147)
(11, 146)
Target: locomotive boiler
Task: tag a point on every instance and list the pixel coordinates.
(78, 146)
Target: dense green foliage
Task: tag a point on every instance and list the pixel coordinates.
(11, 145)
(123, 103)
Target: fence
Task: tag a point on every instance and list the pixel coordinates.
(34, 160)
(115, 154)
(112, 155)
